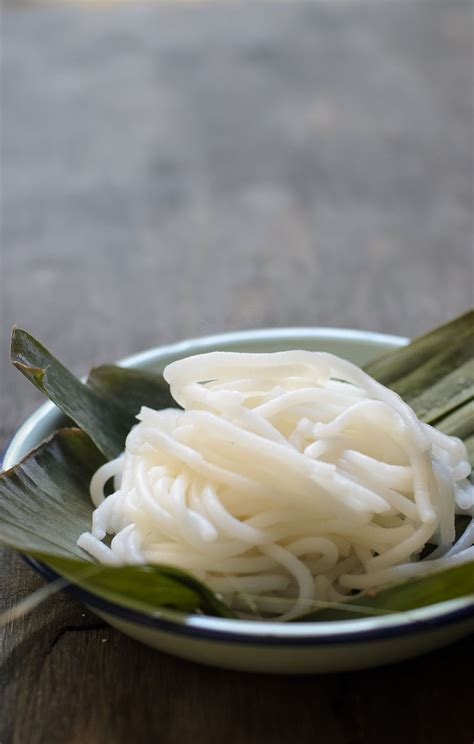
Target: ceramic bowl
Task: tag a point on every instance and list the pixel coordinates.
(258, 646)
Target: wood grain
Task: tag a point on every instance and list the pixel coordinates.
(177, 170)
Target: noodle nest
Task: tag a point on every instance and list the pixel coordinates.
(288, 481)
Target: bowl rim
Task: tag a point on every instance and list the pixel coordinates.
(250, 631)
(270, 633)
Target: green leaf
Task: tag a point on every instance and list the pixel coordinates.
(435, 375)
(394, 365)
(45, 506)
(450, 360)
(439, 399)
(445, 584)
(459, 423)
(144, 588)
(469, 445)
(44, 500)
(130, 389)
(106, 423)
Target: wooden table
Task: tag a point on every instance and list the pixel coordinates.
(176, 170)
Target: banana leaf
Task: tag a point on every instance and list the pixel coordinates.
(449, 583)
(460, 422)
(130, 389)
(106, 423)
(144, 588)
(435, 375)
(395, 365)
(441, 398)
(45, 505)
(106, 407)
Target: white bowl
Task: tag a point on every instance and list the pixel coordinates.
(273, 647)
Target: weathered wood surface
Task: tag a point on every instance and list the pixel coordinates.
(171, 171)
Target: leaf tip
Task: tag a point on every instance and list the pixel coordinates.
(16, 341)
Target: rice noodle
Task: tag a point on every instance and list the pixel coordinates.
(288, 479)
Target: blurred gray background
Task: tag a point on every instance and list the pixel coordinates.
(176, 169)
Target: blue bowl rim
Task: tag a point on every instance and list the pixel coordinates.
(159, 622)
(305, 633)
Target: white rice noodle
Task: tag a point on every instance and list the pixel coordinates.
(288, 481)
